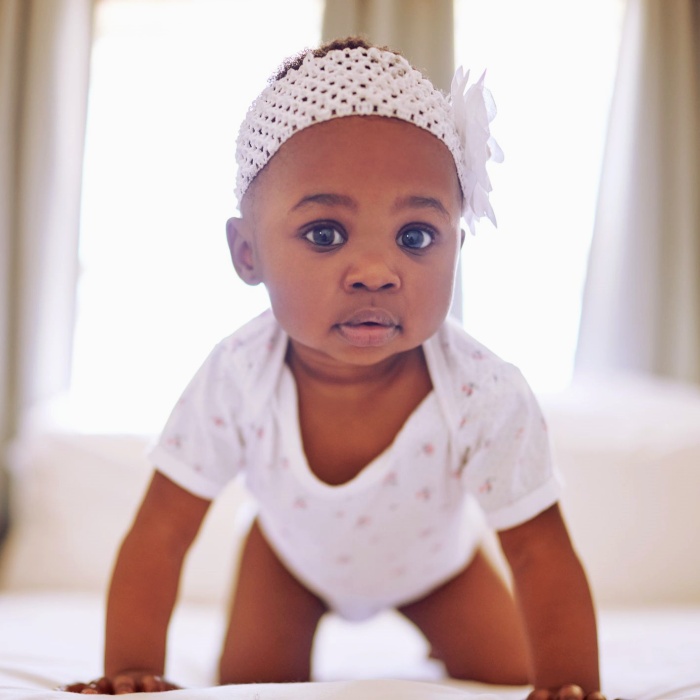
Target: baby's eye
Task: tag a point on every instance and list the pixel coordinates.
(325, 236)
(415, 238)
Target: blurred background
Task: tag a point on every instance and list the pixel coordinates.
(118, 121)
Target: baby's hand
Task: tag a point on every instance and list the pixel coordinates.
(123, 683)
(566, 692)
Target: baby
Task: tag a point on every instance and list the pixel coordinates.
(372, 430)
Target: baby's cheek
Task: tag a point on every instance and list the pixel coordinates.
(294, 307)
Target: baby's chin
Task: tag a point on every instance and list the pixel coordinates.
(341, 359)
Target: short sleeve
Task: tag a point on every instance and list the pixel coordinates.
(507, 465)
(201, 448)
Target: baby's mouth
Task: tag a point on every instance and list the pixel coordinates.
(369, 328)
(371, 317)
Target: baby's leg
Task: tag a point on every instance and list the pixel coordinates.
(474, 627)
(273, 621)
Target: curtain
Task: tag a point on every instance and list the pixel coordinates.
(44, 68)
(422, 30)
(641, 304)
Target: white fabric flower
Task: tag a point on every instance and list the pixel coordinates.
(473, 110)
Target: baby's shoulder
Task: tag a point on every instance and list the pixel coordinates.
(470, 373)
(243, 368)
(249, 348)
(463, 355)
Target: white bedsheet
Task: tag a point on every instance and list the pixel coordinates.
(50, 639)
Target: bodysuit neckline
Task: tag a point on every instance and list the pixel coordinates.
(288, 408)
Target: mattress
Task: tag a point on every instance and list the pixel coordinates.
(50, 638)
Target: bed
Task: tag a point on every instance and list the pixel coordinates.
(629, 451)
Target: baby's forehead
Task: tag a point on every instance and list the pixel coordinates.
(360, 132)
(363, 156)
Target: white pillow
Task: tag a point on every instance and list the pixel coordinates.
(629, 449)
(73, 498)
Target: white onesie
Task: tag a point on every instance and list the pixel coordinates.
(406, 523)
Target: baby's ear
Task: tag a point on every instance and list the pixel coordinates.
(241, 247)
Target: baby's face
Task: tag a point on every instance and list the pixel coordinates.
(353, 227)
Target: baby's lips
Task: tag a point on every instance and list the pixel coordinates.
(380, 317)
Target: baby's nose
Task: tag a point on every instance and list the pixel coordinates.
(372, 272)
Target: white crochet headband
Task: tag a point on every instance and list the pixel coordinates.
(372, 81)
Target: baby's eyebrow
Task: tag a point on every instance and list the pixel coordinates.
(342, 200)
(328, 199)
(421, 202)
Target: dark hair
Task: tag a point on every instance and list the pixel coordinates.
(350, 42)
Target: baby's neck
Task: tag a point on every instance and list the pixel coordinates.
(336, 409)
(329, 376)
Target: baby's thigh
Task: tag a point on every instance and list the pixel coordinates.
(273, 620)
(473, 626)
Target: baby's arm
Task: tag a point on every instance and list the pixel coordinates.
(146, 577)
(144, 588)
(555, 601)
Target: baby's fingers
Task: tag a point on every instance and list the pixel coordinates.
(73, 687)
(566, 692)
(124, 684)
(541, 694)
(156, 684)
(102, 686)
